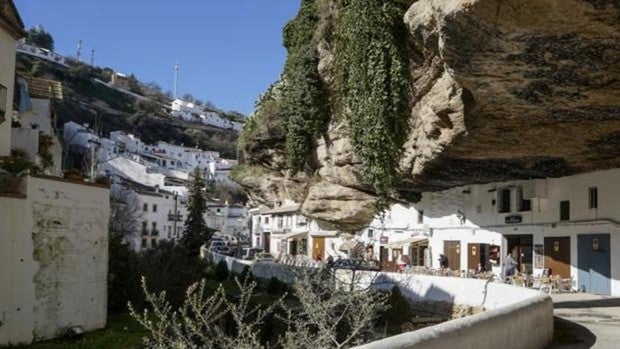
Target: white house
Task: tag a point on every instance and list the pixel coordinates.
(569, 226)
(53, 234)
(190, 112)
(285, 231)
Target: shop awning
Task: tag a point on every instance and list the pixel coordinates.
(292, 235)
(326, 233)
(412, 240)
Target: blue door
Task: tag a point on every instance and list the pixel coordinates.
(594, 263)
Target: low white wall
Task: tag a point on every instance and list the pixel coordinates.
(515, 317)
(233, 264)
(53, 259)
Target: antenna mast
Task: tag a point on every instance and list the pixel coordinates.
(79, 50)
(176, 79)
(92, 57)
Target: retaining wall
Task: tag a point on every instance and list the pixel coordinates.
(515, 317)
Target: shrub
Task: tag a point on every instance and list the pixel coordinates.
(398, 310)
(276, 287)
(221, 271)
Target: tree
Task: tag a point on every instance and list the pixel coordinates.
(188, 97)
(39, 37)
(125, 213)
(134, 84)
(196, 231)
(325, 313)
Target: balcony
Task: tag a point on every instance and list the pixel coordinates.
(172, 217)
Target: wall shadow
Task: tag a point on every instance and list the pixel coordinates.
(593, 303)
(568, 334)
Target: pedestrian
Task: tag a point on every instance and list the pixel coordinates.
(443, 262)
(511, 266)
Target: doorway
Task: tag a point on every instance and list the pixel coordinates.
(384, 262)
(477, 257)
(557, 256)
(318, 248)
(452, 250)
(594, 263)
(522, 248)
(267, 243)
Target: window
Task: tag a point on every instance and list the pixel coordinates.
(3, 103)
(145, 207)
(144, 243)
(154, 208)
(565, 210)
(504, 201)
(154, 228)
(420, 216)
(267, 220)
(398, 231)
(524, 205)
(370, 233)
(593, 197)
(143, 228)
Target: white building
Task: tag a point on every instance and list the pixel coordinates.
(284, 231)
(228, 219)
(569, 225)
(53, 234)
(190, 112)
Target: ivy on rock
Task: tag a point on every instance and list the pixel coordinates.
(372, 74)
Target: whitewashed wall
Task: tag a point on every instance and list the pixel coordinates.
(54, 244)
(7, 76)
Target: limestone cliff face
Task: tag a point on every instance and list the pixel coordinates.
(502, 89)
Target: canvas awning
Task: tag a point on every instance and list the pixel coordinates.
(292, 235)
(412, 240)
(325, 233)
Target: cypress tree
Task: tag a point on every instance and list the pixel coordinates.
(196, 231)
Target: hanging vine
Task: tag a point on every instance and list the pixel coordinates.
(372, 74)
(304, 98)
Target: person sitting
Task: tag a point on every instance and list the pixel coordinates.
(443, 262)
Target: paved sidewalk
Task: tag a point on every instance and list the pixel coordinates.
(586, 321)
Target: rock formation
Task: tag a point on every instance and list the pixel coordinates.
(501, 90)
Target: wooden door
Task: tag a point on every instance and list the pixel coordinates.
(474, 251)
(384, 261)
(267, 246)
(452, 250)
(557, 255)
(318, 248)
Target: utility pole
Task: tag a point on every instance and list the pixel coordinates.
(79, 50)
(176, 79)
(175, 216)
(92, 57)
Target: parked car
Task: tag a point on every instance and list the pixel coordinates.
(216, 244)
(353, 264)
(263, 257)
(248, 253)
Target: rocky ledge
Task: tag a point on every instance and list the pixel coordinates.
(502, 89)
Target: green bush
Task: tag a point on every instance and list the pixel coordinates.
(221, 271)
(276, 287)
(398, 309)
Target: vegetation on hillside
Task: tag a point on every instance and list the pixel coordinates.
(106, 109)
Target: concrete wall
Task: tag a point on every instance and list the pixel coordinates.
(7, 76)
(515, 317)
(53, 260)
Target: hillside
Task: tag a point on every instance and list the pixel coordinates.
(380, 101)
(88, 101)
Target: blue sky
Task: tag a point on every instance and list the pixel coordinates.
(229, 51)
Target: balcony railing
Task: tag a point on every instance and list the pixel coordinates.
(172, 217)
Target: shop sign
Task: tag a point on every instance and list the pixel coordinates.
(515, 218)
(383, 239)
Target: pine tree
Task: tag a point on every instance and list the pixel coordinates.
(196, 231)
